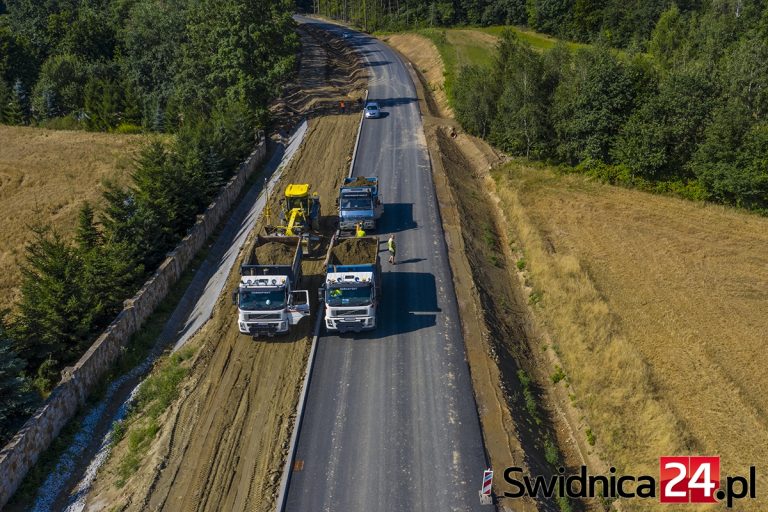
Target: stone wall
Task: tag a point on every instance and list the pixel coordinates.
(77, 382)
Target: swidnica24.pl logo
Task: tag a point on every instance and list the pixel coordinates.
(681, 480)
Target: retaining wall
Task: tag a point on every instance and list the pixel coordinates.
(21, 453)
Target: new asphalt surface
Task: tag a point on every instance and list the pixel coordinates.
(390, 421)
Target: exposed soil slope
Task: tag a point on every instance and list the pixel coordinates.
(656, 309)
(45, 176)
(222, 443)
(422, 53)
(501, 337)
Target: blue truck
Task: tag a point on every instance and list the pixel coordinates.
(352, 288)
(359, 203)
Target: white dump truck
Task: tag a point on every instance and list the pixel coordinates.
(267, 303)
(352, 287)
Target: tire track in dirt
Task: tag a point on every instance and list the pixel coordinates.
(223, 441)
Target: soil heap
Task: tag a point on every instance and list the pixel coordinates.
(353, 251)
(360, 181)
(274, 253)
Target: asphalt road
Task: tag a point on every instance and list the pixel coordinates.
(390, 422)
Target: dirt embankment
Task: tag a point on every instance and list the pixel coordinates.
(45, 177)
(651, 333)
(321, 87)
(222, 443)
(423, 54)
(521, 422)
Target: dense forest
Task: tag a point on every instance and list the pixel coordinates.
(204, 71)
(620, 23)
(688, 115)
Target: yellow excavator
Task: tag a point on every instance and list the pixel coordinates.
(300, 211)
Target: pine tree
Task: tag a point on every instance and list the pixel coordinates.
(53, 321)
(16, 110)
(5, 98)
(109, 274)
(88, 237)
(18, 399)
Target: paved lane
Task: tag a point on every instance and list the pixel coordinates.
(391, 423)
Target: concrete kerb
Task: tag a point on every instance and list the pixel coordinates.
(293, 445)
(286, 478)
(282, 496)
(357, 141)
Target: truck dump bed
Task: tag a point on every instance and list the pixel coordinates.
(353, 251)
(361, 181)
(274, 255)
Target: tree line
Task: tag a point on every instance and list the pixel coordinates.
(687, 116)
(621, 23)
(204, 71)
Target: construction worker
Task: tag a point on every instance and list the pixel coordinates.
(341, 106)
(359, 233)
(392, 248)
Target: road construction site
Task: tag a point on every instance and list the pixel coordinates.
(222, 443)
(241, 393)
(536, 287)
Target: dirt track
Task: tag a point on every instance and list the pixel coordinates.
(222, 443)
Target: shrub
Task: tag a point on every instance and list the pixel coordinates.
(128, 128)
(558, 375)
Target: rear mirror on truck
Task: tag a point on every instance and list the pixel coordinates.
(321, 294)
(234, 298)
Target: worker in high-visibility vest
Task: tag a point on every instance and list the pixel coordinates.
(359, 233)
(392, 248)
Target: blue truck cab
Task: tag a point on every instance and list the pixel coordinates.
(359, 202)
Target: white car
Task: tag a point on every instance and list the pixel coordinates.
(372, 110)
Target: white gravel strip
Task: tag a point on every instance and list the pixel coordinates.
(53, 486)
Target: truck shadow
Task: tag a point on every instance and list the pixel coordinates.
(409, 304)
(397, 217)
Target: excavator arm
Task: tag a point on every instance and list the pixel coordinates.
(295, 212)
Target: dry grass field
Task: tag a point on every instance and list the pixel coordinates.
(45, 176)
(658, 309)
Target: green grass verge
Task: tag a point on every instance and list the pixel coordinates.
(535, 39)
(459, 47)
(440, 39)
(156, 393)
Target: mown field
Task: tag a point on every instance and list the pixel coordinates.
(45, 176)
(657, 308)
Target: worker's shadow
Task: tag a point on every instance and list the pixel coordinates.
(398, 217)
(411, 260)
